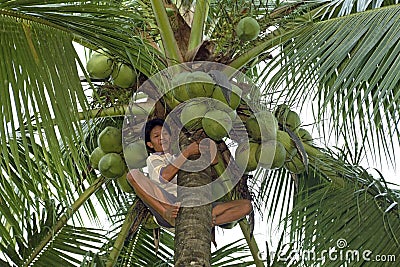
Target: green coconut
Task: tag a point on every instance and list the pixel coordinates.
(124, 184)
(179, 83)
(135, 155)
(193, 113)
(271, 154)
(262, 126)
(99, 66)
(217, 124)
(295, 165)
(245, 156)
(234, 100)
(288, 118)
(110, 140)
(247, 29)
(123, 75)
(95, 157)
(293, 121)
(111, 165)
(305, 136)
(200, 84)
(285, 139)
(281, 111)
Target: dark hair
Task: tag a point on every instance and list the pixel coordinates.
(149, 126)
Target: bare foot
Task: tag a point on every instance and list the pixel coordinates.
(171, 212)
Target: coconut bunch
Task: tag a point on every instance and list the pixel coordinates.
(112, 161)
(208, 105)
(102, 66)
(262, 149)
(270, 145)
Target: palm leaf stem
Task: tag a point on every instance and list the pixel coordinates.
(251, 242)
(272, 41)
(119, 241)
(171, 49)
(199, 18)
(64, 219)
(244, 224)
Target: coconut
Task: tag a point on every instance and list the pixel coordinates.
(295, 165)
(234, 100)
(136, 154)
(179, 82)
(110, 140)
(112, 165)
(288, 118)
(247, 29)
(95, 157)
(271, 154)
(245, 156)
(193, 113)
(293, 121)
(217, 124)
(305, 136)
(99, 66)
(123, 75)
(200, 84)
(285, 139)
(124, 184)
(262, 126)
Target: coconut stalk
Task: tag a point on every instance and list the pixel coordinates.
(244, 224)
(119, 242)
(64, 219)
(244, 58)
(171, 48)
(199, 18)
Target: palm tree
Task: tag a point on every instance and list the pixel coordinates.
(340, 55)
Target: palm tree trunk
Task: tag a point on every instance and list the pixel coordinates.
(193, 224)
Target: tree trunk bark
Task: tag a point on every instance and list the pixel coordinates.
(193, 224)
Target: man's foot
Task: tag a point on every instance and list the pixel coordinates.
(171, 212)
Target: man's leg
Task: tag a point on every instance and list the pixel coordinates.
(153, 196)
(231, 211)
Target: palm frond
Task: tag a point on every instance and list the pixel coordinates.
(349, 65)
(96, 24)
(350, 214)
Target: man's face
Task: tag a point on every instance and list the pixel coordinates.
(159, 139)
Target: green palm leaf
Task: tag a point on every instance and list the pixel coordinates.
(352, 72)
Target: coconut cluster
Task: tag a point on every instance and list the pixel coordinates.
(270, 146)
(208, 105)
(102, 66)
(213, 108)
(108, 157)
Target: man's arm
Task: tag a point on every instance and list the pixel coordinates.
(169, 171)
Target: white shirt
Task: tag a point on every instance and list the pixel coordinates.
(155, 164)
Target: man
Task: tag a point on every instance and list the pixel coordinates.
(160, 192)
